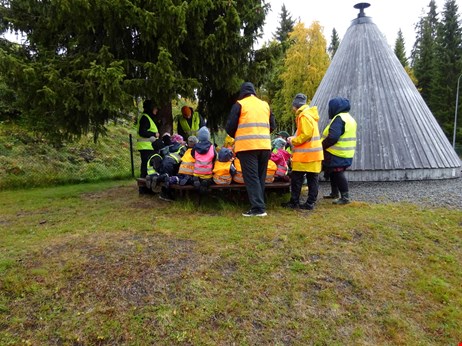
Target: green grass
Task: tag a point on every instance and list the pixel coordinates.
(96, 264)
(29, 161)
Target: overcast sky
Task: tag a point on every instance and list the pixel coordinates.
(388, 15)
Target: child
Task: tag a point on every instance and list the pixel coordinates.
(204, 155)
(223, 169)
(186, 170)
(153, 165)
(171, 157)
(281, 158)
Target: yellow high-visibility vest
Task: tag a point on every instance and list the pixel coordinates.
(238, 177)
(311, 150)
(187, 163)
(221, 173)
(190, 130)
(143, 143)
(346, 145)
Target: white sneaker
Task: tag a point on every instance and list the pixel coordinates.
(254, 213)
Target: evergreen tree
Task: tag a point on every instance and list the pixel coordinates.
(334, 43)
(400, 49)
(286, 25)
(448, 66)
(424, 52)
(85, 61)
(305, 64)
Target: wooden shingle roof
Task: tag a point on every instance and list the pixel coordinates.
(398, 136)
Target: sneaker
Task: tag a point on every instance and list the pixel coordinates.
(331, 196)
(166, 198)
(254, 213)
(290, 205)
(184, 180)
(341, 201)
(307, 206)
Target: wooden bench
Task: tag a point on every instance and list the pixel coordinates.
(281, 186)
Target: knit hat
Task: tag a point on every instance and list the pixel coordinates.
(185, 110)
(279, 143)
(225, 155)
(176, 138)
(283, 134)
(192, 140)
(203, 134)
(299, 100)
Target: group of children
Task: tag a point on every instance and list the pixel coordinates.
(199, 163)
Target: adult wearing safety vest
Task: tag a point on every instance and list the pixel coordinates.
(339, 144)
(189, 122)
(307, 154)
(250, 123)
(147, 133)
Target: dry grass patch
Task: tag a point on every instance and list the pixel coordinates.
(109, 267)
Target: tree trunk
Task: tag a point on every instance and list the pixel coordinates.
(165, 119)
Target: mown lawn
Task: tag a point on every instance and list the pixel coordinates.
(96, 264)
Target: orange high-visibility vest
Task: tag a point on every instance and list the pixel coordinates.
(221, 173)
(187, 163)
(311, 150)
(253, 130)
(270, 171)
(238, 177)
(281, 170)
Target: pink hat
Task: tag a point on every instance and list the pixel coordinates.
(177, 138)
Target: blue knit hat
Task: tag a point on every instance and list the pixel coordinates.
(203, 134)
(225, 155)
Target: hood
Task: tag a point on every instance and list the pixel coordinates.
(247, 89)
(338, 105)
(202, 147)
(279, 143)
(309, 111)
(225, 155)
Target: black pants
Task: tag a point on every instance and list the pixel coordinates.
(296, 183)
(338, 182)
(145, 155)
(254, 164)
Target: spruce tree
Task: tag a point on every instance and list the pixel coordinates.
(400, 49)
(334, 43)
(286, 25)
(84, 62)
(449, 67)
(424, 52)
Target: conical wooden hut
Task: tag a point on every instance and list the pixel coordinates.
(398, 136)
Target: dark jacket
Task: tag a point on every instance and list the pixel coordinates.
(337, 128)
(144, 126)
(247, 89)
(169, 164)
